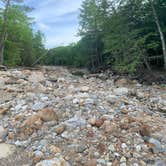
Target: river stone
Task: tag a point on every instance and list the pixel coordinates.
(57, 161)
(157, 145)
(6, 150)
(121, 91)
(112, 99)
(38, 106)
(3, 133)
(160, 163)
(2, 84)
(75, 122)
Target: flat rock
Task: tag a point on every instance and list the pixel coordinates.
(75, 122)
(57, 161)
(6, 150)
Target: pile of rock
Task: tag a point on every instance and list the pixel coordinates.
(57, 118)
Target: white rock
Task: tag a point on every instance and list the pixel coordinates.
(57, 161)
(123, 164)
(138, 148)
(123, 159)
(75, 101)
(2, 83)
(6, 150)
(84, 89)
(38, 106)
(112, 99)
(75, 122)
(121, 91)
(123, 146)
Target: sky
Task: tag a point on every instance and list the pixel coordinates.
(57, 19)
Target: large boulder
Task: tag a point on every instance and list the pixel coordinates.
(6, 150)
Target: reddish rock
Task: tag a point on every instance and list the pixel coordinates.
(11, 135)
(3, 110)
(109, 127)
(47, 114)
(99, 123)
(115, 163)
(101, 147)
(145, 130)
(92, 162)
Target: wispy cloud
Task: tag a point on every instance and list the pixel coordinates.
(57, 19)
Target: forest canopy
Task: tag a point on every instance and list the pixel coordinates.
(19, 44)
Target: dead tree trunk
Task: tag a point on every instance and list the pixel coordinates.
(3, 32)
(160, 32)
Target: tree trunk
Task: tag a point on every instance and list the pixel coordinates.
(160, 32)
(4, 33)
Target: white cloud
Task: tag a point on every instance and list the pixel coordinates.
(57, 19)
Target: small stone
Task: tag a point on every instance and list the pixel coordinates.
(84, 89)
(112, 99)
(92, 121)
(38, 106)
(135, 164)
(160, 163)
(121, 91)
(145, 131)
(138, 148)
(3, 110)
(101, 147)
(19, 117)
(111, 148)
(57, 161)
(3, 133)
(2, 84)
(156, 146)
(38, 153)
(21, 143)
(92, 162)
(54, 149)
(47, 115)
(60, 129)
(123, 146)
(109, 127)
(109, 164)
(123, 164)
(99, 123)
(75, 122)
(44, 142)
(123, 159)
(11, 135)
(115, 163)
(75, 101)
(124, 111)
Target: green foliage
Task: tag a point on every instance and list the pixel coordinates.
(22, 46)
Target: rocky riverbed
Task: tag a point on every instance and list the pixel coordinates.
(50, 117)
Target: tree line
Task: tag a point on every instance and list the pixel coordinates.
(125, 35)
(19, 44)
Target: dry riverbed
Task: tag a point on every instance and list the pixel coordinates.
(50, 117)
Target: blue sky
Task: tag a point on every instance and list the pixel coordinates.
(57, 19)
